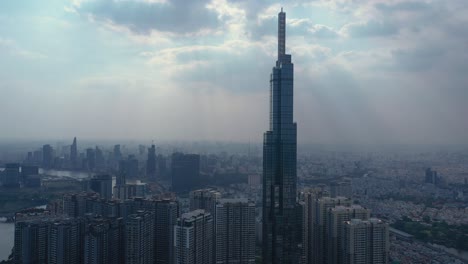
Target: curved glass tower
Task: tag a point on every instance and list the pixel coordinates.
(280, 225)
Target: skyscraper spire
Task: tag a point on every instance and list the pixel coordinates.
(281, 33)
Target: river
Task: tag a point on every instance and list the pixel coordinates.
(7, 237)
(67, 174)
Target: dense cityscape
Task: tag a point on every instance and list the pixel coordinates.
(280, 201)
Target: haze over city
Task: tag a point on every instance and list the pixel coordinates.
(366, 71)
(233, 131)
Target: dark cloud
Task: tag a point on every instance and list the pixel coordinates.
(176, 16)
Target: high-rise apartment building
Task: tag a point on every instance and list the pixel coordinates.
(104, 241)
(41, 240)
(139, 238)
(365, 242)
(315, 224)
(77, 204)
(65, 241)
(167, 212)
(30, 246)
(280, 221)
(193, 238)
(334, 225)
(235, 231)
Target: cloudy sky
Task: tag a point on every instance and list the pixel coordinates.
(366, 71)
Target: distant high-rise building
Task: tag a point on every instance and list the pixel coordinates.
(76, 204)
(161, 167)
(235, 231)
(132, 167)
(139, 238)
(117, 153)
(74, 154)
(193, 238)
(281, 224)
(47, 157)
(185, 171)
(432, 176)
(141, 150)
(99, 159)
(11, 177)
(121, 177)
(90, 159)
(37, 157)
(205, 199)
(365, 242)
(151, 162)
(102, 184)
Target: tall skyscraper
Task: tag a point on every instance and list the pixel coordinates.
(235, 231)
(280, 220)
(193, 238)
(74, 155)
(151, 162)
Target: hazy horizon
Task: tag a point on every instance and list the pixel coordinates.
(367, 73)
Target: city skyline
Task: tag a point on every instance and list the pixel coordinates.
(368, 72)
